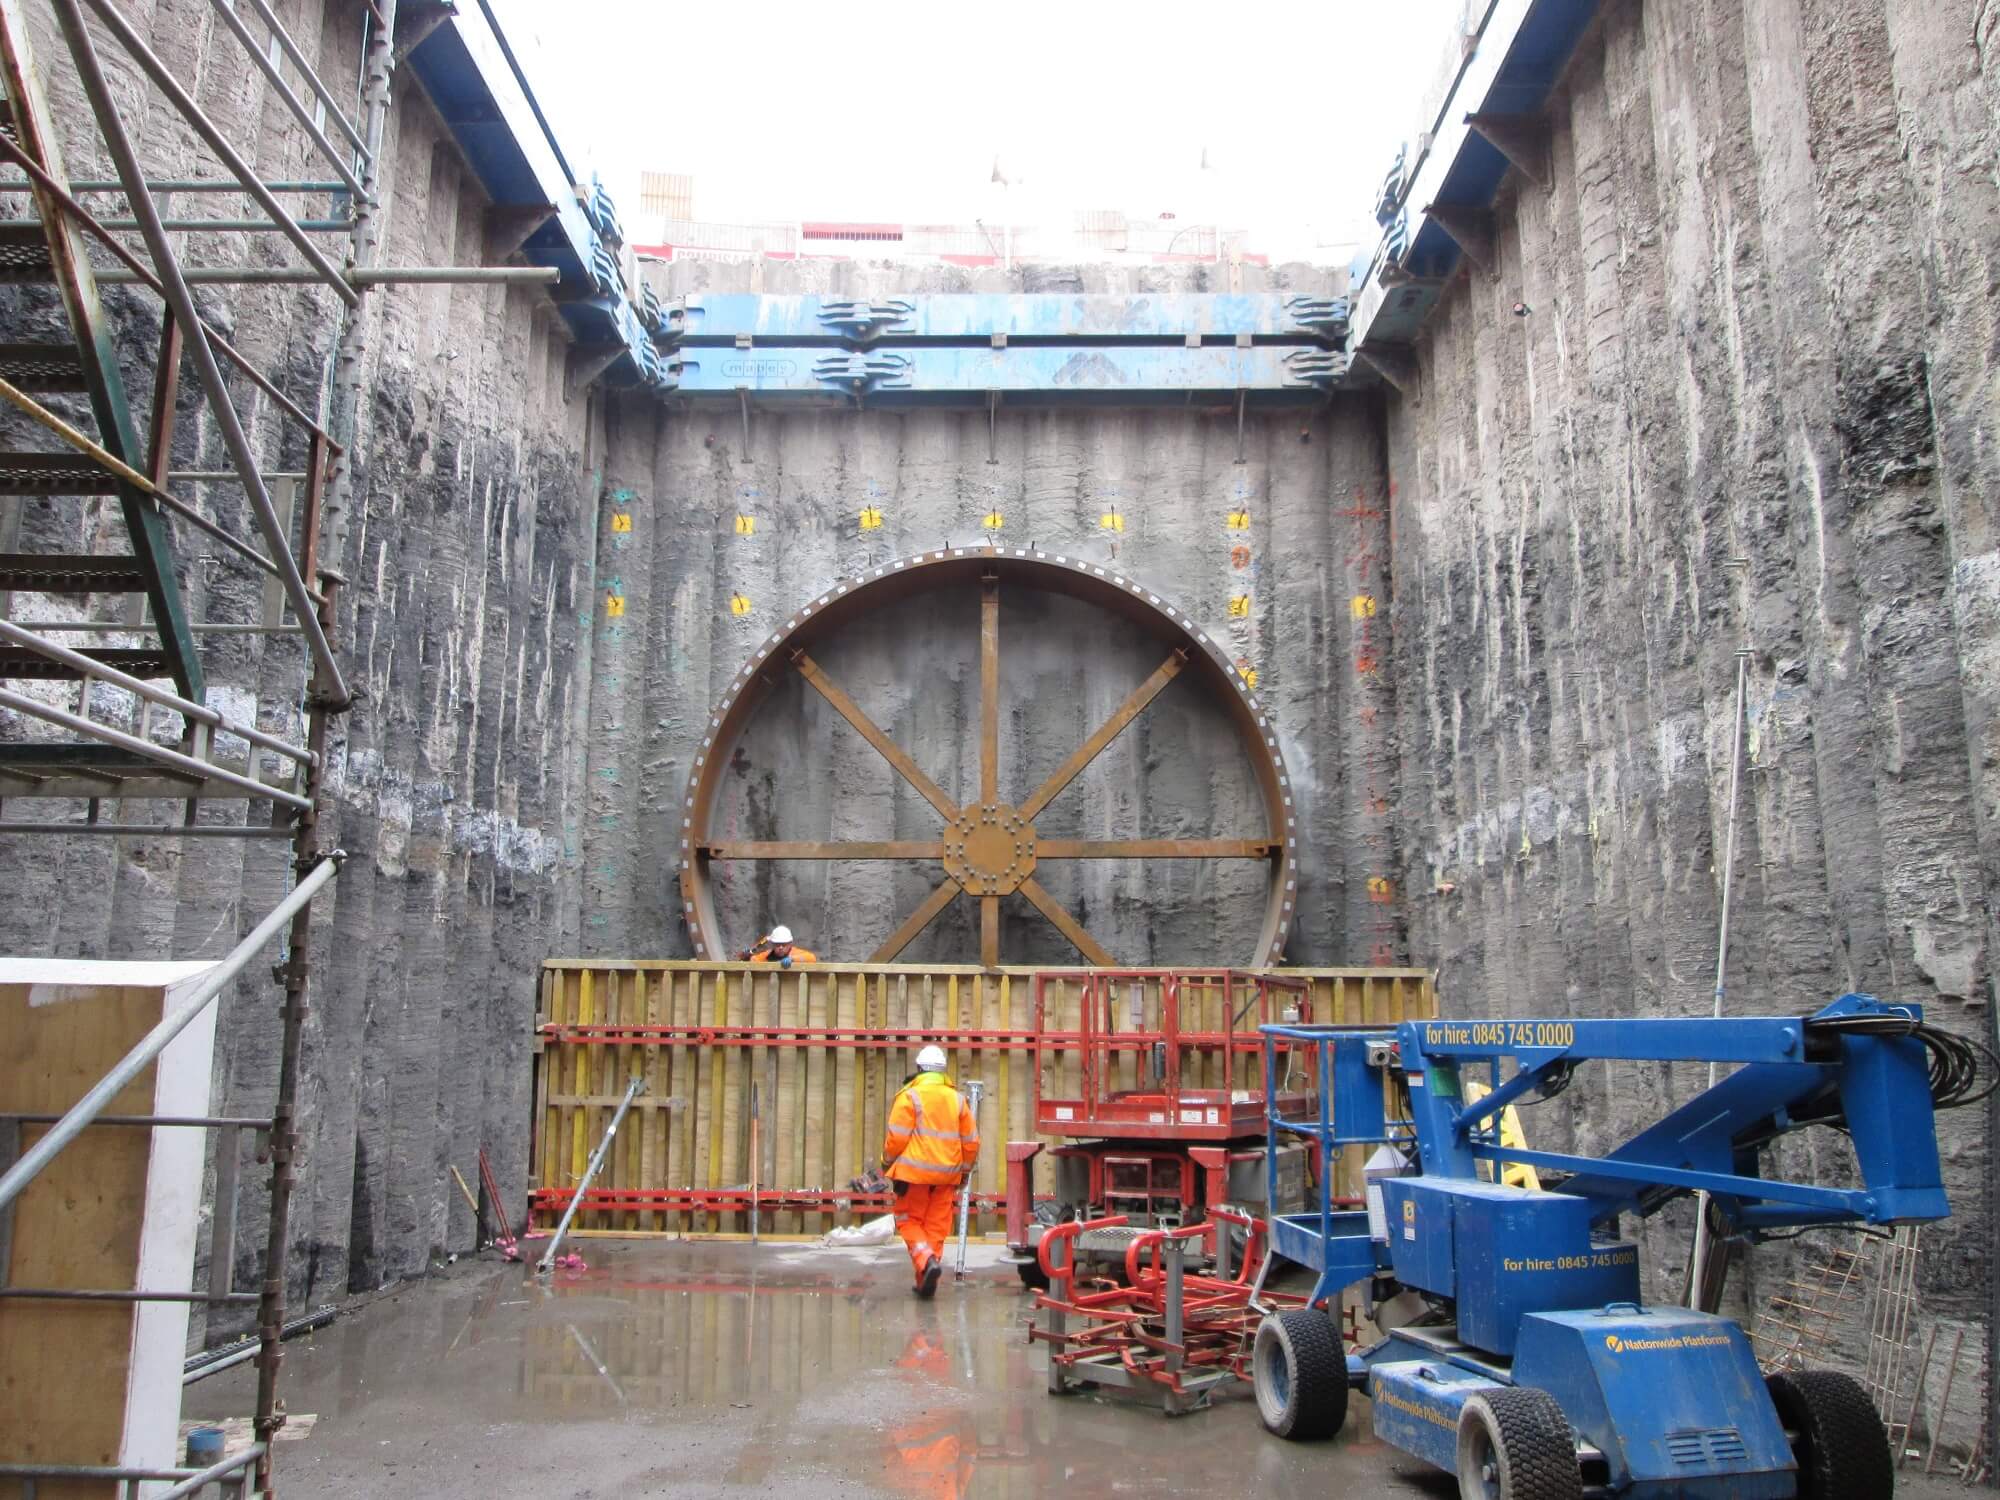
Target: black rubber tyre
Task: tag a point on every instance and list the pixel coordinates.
(1298, 1369)
(1033, 1277)
(1514, 1443)
(1838, 1439)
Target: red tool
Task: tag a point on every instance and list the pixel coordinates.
(509, 1246)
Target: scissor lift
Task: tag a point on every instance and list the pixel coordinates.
(1164, 1117)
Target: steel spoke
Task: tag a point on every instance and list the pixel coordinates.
(989, 932)
(1155, 848)
(1067, 925)
(989, 697)
(917, 921)
(865, 727)
(800, 849)
(1108, 731)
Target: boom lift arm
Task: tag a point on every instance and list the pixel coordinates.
(1857, 1065)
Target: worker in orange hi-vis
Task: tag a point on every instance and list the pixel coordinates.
(779, 949)
(932, 1146)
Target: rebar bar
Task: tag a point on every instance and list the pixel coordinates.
(152, 830)
(182, 185)
(360, 276)
(233, 226)
(126, 627)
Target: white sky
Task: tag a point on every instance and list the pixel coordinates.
(896, 111)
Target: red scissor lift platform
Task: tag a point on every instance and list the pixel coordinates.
(1157, 1115)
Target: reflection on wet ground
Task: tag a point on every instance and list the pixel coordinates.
(689, 1369)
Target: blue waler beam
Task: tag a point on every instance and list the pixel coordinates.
(720, 319)
(1064, 375)
(1522, 49)
(472, 79)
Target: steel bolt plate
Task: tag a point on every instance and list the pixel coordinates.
(990, 850)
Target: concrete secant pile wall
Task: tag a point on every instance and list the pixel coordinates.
(1747, 406)
(708, 529)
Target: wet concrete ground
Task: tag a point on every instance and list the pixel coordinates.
(720, 1369)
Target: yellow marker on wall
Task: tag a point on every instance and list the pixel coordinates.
(1239, 607)
(993, 521)
(614, 606)
(1111, 521)
(1248, 674)
(746, 525)
(871, 519)
(739, 604)
(1362, 606)
(1239, 520)
(621, 521)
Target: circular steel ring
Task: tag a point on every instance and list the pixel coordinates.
(1107, 587)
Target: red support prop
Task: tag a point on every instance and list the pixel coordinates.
(1020, 1188)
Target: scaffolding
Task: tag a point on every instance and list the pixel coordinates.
(116, 741)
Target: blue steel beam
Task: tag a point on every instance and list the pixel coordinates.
(721, 319)
(483, 98)
(1521, 51)
(970, 376)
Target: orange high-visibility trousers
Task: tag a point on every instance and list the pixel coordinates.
(923, 1218)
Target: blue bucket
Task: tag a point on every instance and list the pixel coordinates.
(204, 1447)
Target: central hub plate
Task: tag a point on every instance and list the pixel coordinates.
(990, 850)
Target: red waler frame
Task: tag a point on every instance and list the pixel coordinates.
(729, 1200)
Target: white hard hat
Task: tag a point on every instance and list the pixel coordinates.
(931, 1059)
(781, 934)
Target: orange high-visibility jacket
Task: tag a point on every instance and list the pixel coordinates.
(932, 1135)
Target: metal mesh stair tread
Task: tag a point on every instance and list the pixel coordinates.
(24, 252)
(42, 367)
(70, 573)
(135, 661)
(63, 757)
(54, 474)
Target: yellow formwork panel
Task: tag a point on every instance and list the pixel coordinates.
(701, 1033)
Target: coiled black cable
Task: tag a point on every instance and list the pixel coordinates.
(1954, 1059)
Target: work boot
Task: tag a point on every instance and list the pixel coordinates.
(927, 1282)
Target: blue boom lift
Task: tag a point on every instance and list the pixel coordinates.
(1531, 1369)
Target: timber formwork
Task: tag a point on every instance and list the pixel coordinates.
(825, 1047)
